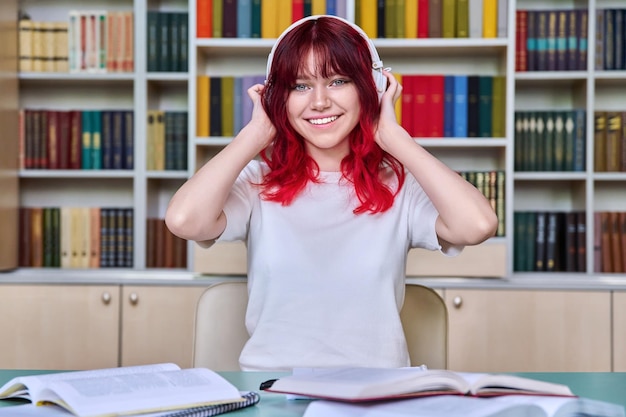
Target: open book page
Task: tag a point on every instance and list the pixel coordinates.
(463, 406)
(486, 384)
(29, 387)
(140, 392)
(32, 410)
(368, 383)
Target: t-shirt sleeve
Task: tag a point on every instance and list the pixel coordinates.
(422, 219)
(239, 203)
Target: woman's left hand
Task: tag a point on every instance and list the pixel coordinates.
(387, 121)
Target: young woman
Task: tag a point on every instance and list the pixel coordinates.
(340, 194)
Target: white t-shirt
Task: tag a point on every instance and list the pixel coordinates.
(326, 285)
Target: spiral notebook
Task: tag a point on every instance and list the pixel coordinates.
(250, 399)
(32, 410)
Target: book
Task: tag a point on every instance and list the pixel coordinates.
(453, 406)
(375, 384)
(125, 390)
(32, 410)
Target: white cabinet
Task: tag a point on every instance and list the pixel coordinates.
(529, 330)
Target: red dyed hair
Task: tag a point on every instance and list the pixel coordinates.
(340, 49)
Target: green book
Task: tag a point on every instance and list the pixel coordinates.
(218, 19)
(255, 27)
(485, 105)
(498, 108)
(86, 129)
(559, 142)
(462, 18)
(165, 57)
(548, 141)
(448, 18)
(152, 40)
(228, 103)
(569, 138)
(96, 139)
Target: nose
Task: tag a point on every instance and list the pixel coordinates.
(320, 99)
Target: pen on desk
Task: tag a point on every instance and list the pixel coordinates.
(267, 384)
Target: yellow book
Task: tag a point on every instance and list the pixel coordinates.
(283, 19)
(368, 17)
(490, 18)
(218, 19)
(150, 140)
(462, 19)
(410, 19)
(228, 103)
(318, 7)
(398, 105)
(159, 141)
(202, 106)
(26, 45)
(66, 237)
(269, 19)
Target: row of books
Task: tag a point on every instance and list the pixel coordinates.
(75, 237)
(433, 18)
(167, 41)
(43, 46)
(89, 41)
(164, 249)
(609, 241)
(75, 139)
(166, 140)
(492, 185)
(257, 18)
(222, 104)
(551, 40)
(609, 144)
(432, 106)
(610, 39)
(460, 106)
(549, 241)
(549, 140)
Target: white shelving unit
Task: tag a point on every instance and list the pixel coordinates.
(149, 191)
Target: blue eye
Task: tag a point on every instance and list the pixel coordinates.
(299, 87)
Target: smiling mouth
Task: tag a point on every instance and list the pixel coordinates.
(323, 120)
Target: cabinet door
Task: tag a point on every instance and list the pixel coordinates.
(619, 331)
(158, 324)
(59, 326)
(519, 330)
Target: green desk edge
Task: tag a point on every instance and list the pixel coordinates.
(604, 386)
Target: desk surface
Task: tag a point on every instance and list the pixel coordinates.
(604, 386)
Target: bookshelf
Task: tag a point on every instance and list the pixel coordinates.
(147, 191)
(8, 121)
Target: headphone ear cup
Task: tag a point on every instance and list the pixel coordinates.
(381, 82)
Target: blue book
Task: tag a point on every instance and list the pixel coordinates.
(238, 97)
(331, 7)
(448, 106)
(244, 19)
(460, 106)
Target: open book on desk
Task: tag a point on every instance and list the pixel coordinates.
(125, 390)
(372, 384)
(465, 406)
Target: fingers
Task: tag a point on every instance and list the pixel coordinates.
(255, 91)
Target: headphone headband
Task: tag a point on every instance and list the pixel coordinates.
(377, 64)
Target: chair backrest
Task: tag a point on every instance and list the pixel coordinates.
(220, 331)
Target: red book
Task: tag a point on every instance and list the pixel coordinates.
(75, 146)
(420, 103)
(422, 18)
(204, 18)
(408, 104)
(435, 102)
(297, 10)
(521, 37)
(53, 139)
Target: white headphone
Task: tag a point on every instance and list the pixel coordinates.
(377, 64)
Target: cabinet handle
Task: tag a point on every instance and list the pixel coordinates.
(134, 298)
(106, 298)
(457, 301)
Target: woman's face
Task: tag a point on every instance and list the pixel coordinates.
(324, 111)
